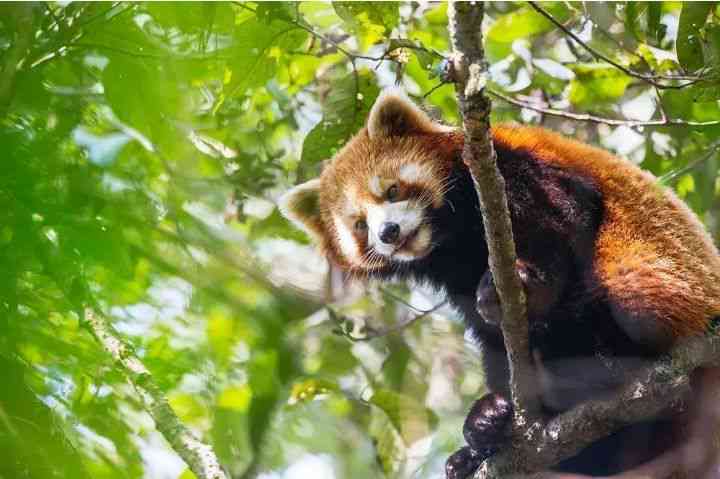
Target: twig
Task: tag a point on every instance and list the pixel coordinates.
(664, 121)
(671, 176)
(400, 43)
(24, 31)
(199, 457)
(373, 333)
(469, 71)
(651, 79)
(433, 89)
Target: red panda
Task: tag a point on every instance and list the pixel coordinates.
(615, 267)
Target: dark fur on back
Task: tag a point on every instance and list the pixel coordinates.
(555, 217)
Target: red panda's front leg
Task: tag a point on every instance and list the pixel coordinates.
(542, 289)
(486, 425)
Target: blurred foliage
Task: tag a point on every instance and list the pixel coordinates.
(144, 146)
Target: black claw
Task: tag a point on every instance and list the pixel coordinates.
(462, 463)
(486, 425)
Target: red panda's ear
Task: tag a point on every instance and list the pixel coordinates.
(394, 114)
(301, 205)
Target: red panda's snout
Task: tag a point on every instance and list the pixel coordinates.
(385, 220)
(399, 231)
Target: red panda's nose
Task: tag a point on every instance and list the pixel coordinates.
(389, 232)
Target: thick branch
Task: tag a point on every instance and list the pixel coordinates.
(660, 388)
(469, 71)
(199, 457)
(538, 445)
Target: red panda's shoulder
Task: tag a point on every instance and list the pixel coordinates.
(553, 148)
(653, 256)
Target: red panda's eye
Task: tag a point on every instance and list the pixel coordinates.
(360, 226)
(392, 193)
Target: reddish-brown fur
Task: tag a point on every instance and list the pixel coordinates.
(645, 270)
(653, 257)
(652, 254)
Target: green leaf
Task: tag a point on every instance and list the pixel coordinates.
(410, 418)
(595, 84)
(235, 398)
(187, 474)
(654, 27)
(370, 22)
(389, 447)
(257, 46)
(269, 11)
(193, 17)
(344, 112)
(685, 185)
(383, 14)
(689, 43)
(308, 389)
(524, 22)
(221, 332)
(138, 96)
(633, 13)
(187, 406)
(712, 49)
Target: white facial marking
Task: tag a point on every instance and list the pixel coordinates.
(418, 247)
(422, 175)
(346, 240)
(406, 214)
(375, 187)
(414, 173)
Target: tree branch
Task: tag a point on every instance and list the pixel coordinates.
(651, 79)
(664, 121)
(659, 388)
(469, 71)
(199, 457)
(539, 444)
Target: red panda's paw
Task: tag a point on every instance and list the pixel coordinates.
(485, 430)
(486, 425)
(462, 464)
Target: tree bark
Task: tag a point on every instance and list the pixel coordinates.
(469, 71)
(537, 444)
(200, 457)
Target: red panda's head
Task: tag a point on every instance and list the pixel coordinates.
(372, 204)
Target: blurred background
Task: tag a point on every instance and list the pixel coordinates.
(143, 148)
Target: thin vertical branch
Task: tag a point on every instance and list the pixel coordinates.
(469, 71)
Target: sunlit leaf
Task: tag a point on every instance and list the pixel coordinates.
(521, 23)
(409, 417)
(235, 398)
(256, 46)
(689, 44)
(344, 112)
(595, 84)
